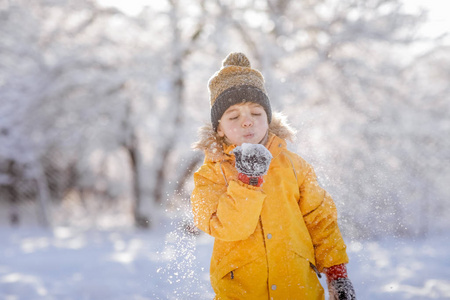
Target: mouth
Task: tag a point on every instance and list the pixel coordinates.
(248, 136)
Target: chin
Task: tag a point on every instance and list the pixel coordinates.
(251, 141)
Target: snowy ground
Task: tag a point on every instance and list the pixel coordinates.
(165, 263)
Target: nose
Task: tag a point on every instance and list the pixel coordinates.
(247, 121)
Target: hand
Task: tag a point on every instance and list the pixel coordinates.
(339, 286)
(252, 159)
(341, 289)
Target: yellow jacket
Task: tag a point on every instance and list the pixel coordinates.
(267, 239)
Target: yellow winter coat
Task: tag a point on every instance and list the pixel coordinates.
(267, 239)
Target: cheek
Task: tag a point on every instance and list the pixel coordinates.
(231, 128)
(227, 129)
(262, 123)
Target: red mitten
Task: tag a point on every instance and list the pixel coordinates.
(255, 181)
(339, 286)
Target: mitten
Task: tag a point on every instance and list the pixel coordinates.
(252, 162)
(339, 286)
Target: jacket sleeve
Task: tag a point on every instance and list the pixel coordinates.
(320, 216)
(229, 213)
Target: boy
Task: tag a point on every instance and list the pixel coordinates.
(275, 228)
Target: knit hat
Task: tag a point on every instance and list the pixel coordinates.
(236, 82)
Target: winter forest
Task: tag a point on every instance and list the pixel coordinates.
(99, 108)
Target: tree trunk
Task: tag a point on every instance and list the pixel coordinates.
(44, 195)
(12, 194)
(177, 103)
(186, 174)
(140, 220)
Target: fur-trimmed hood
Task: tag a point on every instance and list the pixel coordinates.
(212, 144)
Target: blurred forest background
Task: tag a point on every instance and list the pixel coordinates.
(98, 108)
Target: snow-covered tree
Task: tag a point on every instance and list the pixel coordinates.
(100, 103)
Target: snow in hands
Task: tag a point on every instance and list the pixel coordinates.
(252, 159)
(341, 289)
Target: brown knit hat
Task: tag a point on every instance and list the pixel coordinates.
(236, 82)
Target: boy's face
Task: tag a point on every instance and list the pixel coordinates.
(244, 123)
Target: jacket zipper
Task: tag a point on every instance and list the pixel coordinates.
(315, 269)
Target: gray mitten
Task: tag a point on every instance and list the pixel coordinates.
(341, 289)
(252, 159)
(252, 162)
(339, 286)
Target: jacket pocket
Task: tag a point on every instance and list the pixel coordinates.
(229, 264)
(310, 261)
(229, 256)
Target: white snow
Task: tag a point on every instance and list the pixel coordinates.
(167, 263)
(255, 157)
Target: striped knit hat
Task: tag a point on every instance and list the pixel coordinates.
(236, 82)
